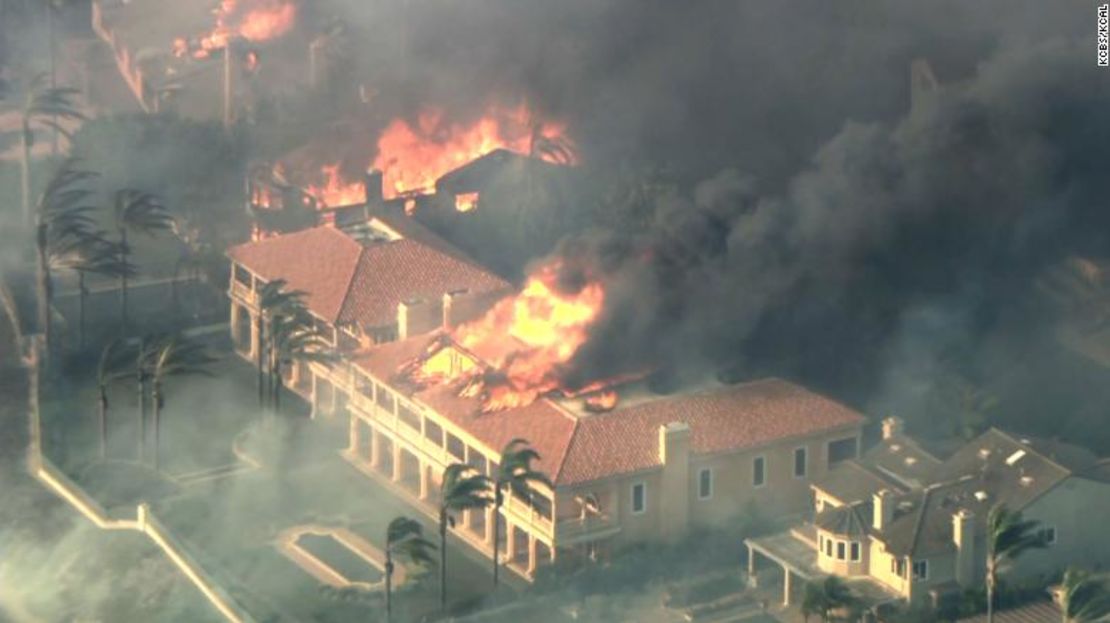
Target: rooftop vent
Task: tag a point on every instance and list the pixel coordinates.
(1026, 481)
(911, 460)
(1015, 457)
(981, 496)
(984, 453)
(895, 447)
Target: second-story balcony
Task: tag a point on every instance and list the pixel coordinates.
(588, 527)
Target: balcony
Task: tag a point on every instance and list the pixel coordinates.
(586, 528)
(241, 292)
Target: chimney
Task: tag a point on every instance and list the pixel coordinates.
(892, 427)
(416, 316)
(372, 185)
(883, 503)
(674, 496)
(963, 536)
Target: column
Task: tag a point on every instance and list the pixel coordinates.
(785, 586)
(510, 542)
(753, 579)
(353, 435)
(423, 481)
(255, 337)
(233, 322)
(312, 400)
(531, 554)
(398, 462)
(490, 536)
(375, 457)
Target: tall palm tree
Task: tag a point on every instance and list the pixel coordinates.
(44, 105)
(1084, 596)
(1008, 536)
(136, 211)
(823, 598)
(404, 538)
(173, 356)
(91, 255)
(273, 300)
(293, 340)
(463, 489)
(108, 369)
(62, 224)
(516, 474)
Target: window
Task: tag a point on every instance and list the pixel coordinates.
(921, 569)
(898, 566)
(758, 471)
(1048, 535)
(408, 416)
(705, 484)
(800, 463)
(385, 398)
(476, 460)
(639, 498)
(828, 547)
(456, 447)
(242, 275)
(842, 450)
(855, 551)
(433, 432)
(840, 550)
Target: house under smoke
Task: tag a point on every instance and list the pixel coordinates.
(650, 469)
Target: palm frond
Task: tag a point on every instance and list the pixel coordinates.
(141, 211)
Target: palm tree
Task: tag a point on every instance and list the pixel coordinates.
(93, 255)
(1008, 536)
(294, 340)
(108, 369)
(1084, 597)
(43, 106)
(463, 489)
(515, 472)
(173, 356)
(62, 225)
(141, 212)
(30, 358)
(273, 299)
(405, 538)
(822, 598)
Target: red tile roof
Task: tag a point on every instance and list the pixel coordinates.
(722, 419)
(347, 282)
(581, 449)
(318, 261)
(390, 273)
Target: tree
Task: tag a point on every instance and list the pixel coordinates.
(823, 598)
(93, 256)
(62, 224)
(141, 212)
(404, 538)
(172, 356)
(44, 106)
(463, 489)
(1084, 596)
(273, 300)
(516, 474)
(1008, 536)
(293, 340)
(108, 369)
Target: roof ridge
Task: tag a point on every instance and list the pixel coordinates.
(1029, 447)
(350, 284)
(566, 452)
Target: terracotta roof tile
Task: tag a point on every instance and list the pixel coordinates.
(347, 282)
(318, 261)
(722, 419)
(390, 273)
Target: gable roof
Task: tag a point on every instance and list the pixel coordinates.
(852, 481)
(348, 282)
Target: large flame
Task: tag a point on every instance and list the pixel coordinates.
(412, 158)
(334, 192)
(526, 340)
(253, 20)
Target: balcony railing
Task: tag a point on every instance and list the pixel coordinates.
(578, 529)
(241, 292)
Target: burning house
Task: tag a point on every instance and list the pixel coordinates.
(440, 366)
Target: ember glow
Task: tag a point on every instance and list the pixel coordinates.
(526, 341)
(334, 192)
(412, 157)
(253, 20)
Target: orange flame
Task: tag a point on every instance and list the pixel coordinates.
(334, 192)
(253, 20)
(413, 158)
(526, 340)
